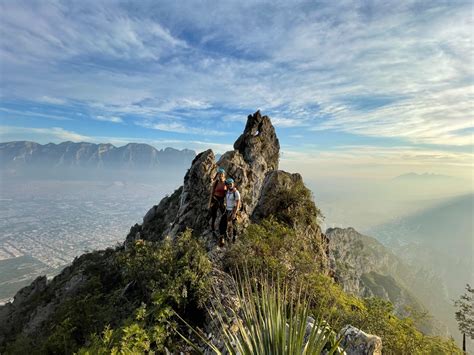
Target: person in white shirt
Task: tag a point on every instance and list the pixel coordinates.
(229, 219)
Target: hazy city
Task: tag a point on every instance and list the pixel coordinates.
(45, 224)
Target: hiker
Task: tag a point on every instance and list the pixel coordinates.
(216, 200)
(229, 219)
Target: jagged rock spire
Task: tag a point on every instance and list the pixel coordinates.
(259, 144)
(253, 165)
(256, 153)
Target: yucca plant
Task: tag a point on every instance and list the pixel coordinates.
(272, 319)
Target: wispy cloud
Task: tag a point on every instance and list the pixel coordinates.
(53, 134)
(178, 127)
(12, 113)
(113, 119)
(400, 70)
(52, 100)
(377, 162)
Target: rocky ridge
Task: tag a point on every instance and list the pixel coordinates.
(253, 164)
(23, 155)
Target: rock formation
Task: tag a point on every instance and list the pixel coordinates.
(357, 342)
(255, 155)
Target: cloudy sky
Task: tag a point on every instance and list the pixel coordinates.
(377, 87)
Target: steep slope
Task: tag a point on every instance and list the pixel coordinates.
(127, 299)
(366, 268)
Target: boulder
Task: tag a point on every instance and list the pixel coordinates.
(357, 342)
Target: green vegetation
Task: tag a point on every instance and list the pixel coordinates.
(278, 249)
(465, 314)
(272, 319)
(295, 206)
(128, 301)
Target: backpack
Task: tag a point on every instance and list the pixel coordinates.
(241, 207)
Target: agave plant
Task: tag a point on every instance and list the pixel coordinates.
(272, 319)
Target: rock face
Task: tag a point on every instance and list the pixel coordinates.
(357, 342)
(365, 268)
(284, 195)
(33, 305)
(253, 164)
(255, 156)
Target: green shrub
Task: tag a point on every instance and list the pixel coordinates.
(273, 247)
(273, 318)
(169, 276)
(128, 299)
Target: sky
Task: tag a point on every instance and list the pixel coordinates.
(354, 88)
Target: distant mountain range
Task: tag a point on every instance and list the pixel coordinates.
(20, 156)
(443, 234)
(423, 177)
(439, 239)
(366, 268)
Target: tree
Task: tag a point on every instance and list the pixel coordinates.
(465, 314)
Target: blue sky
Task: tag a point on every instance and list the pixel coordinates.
(375, 85)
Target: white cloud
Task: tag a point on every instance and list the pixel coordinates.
(53, 134)
(11, 113)
(377, 162)
(303, 63)
(178, 127)
(113, 119)
(52, 100)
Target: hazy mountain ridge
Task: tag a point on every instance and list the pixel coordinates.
(423, 177)
(20, 155)
(439, 239)
(366, 268)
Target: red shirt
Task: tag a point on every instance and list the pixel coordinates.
(220, 189)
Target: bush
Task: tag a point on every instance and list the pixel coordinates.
(273, 318)
(168, 277)
(273, 247)
(128, 300)
(296, 206)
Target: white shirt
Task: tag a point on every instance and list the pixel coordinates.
(230, 200)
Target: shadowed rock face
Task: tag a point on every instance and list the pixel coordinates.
(357, 342)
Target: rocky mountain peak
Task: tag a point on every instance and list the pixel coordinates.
(253, 165)
(259, 144)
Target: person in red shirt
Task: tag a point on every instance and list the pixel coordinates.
(217, 198)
